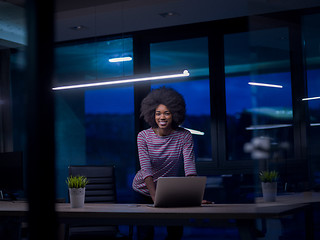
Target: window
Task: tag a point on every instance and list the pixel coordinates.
(190, 54)
(89, 61)
(254, 110)
(94, 126)
(311, 38)
(110, 140)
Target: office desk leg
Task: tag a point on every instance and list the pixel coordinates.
(309, 223)
(247, 229)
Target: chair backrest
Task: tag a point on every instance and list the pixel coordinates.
(101, 187)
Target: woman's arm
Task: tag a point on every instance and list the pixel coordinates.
(189, 156)
(151, 187)
(144, 158)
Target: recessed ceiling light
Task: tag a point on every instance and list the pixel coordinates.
(169, 14)
(79, 27)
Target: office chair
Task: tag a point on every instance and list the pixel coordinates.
(100, 189)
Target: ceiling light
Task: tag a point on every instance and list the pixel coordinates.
(120, 59)
(133, 79)
(79, 27)
(168, 14)
(264, 85)
(311, 98)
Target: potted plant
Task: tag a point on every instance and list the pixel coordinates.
(76, 185)
(269, 181)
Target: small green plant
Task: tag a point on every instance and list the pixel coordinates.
(269, 176)
(77, 181)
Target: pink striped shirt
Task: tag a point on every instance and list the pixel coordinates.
(163, 156)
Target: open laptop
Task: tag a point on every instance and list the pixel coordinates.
(179, 191)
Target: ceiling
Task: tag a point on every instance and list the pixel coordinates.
(66, 5)
(63, 5)
(78, 19)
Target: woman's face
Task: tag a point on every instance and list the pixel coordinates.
(163, 117)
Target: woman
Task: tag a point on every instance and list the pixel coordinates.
(163, 149)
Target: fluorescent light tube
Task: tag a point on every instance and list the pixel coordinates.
(185, 73)
(265, 85)
(120, 59)
(311, 98)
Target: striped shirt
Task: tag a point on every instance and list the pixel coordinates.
(163, 156)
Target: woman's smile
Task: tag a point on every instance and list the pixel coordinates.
(163, 123)
(163, 118)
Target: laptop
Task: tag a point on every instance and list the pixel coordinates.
(180, 191)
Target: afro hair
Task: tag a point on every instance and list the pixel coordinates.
(173, 100)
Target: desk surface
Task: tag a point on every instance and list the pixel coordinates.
(126, 213)
(293, 198)
(284, 205)
(206, 215)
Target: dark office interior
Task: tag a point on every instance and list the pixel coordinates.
(227, 47)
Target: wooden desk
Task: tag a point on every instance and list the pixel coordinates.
(141, 214)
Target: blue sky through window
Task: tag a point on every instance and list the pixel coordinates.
(239, 92)
(110, 100)
(196, 94)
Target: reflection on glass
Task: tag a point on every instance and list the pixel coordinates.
(262, 108)
(191, 54)
(313, 99)
(89, 61)
(264, 85)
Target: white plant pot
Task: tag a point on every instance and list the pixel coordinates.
(269, 191)
(77, 197)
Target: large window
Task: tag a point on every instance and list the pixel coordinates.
(258, 95)
(190, 54)
(95, 126)
(229, 106)
(311, 38)
(109, 121)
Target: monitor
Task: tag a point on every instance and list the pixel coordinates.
(11, 174)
